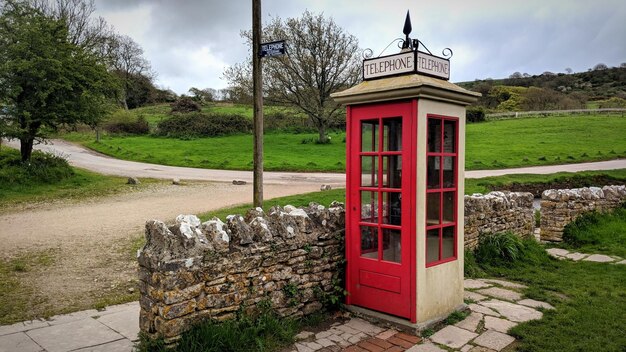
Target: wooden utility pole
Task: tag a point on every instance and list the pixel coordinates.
(258, 104)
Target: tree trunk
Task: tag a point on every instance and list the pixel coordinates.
(26, 147)
(323, 137)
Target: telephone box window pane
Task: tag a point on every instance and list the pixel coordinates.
(432, 208)
(448, 171)
(449, 137)
(392, 246)
(447, 250)
(432, 245)
(434, 163)
(369, 206)
(434, 135)
(448, 206)
(369, 136)
(392, 171)
(369, 171)
(369, 242)
(392, 134)
(392, 208)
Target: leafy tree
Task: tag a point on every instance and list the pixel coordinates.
(45, 80)
(321, 58)
(600, 67)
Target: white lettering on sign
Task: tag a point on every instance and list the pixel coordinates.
(272, 49)
(433, 65)
(389, 65)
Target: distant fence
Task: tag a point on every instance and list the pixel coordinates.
(513, 115)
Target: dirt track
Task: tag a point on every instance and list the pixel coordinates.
(90, 240)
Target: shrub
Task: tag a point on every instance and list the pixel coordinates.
(475, 114)
(507, 249)
(194, 125)
(125, 122)
(42, 168)
(185, 105)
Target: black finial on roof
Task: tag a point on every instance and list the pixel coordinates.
(407, 30)
(407, 25)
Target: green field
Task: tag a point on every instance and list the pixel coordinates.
(489, 145)
(76, 183)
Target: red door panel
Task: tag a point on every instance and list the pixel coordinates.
(380, 247)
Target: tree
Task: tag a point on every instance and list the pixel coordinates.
(568, 70)
(203, 95)
(125, 58)
(321, 58)
(85, 31)
(516, 75)
(45, 80)
(600, 67)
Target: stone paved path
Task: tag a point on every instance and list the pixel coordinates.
(561, 253)
(114, 329)
(495, 307)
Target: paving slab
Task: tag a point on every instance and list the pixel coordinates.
(302, 348)
(68, 318)
(473, 296)
(426, 347)
(483, 310)
(535, 304)
(304, 335)
(511, 311)
(504, 283)
(557, 252)
(497, 324)
(575, 256)
(494, 340)
(453, 337)
(364, 326)
(471, 322)
(599, 258)
(473, 284)
(622, 262)
(386, 334)
(73, 335)
(22, 326)
(18, 341)
(125, 322)
(501, 293)
(123, 345)
(466, 348)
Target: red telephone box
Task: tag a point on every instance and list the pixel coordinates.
(404, 197)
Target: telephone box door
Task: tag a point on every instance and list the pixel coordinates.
(380, 203)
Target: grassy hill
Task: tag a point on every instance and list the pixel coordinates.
(490, 145)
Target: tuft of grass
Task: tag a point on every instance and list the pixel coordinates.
(265, 332)
(598, 233)
(456, 317)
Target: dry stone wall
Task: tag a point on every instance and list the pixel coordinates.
(562, 206)
(498, 212)
(288, 259)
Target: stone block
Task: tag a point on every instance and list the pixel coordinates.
(453, 337)
(494, 340)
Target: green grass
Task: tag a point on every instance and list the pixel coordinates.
(266, 332)
(16, 299)
(490, 145)
(229, 153)
(75, 183)
(598, 233)
(590, 298)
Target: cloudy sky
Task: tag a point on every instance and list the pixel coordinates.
(190, 42)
